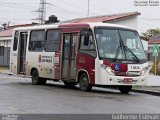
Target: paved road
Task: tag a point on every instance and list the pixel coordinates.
(18, 95)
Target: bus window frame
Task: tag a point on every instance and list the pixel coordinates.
(94, 40)
(46, 31)
(42, 41)
(14, 41)
(113, 28)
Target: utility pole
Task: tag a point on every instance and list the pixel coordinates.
(88, 8)
(41, 12)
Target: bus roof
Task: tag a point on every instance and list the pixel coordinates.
(37, 27)
(65, 25)
(109, 25)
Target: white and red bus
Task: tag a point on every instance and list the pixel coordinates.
(86, 53)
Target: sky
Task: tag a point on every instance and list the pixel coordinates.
(23, 11)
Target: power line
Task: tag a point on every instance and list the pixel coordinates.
(78, 8)
(92, 4)
(2, 11)
(97, 7)
(65, 10)
(14, 3)
(12, 19)
(16, 7)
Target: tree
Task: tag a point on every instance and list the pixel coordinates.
(151, 33)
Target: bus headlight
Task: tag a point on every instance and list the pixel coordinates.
(144, 71)
(110, 71)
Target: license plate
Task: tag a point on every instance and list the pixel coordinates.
(128, 80)
(134, 67)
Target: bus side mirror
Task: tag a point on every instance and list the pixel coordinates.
(86, 40)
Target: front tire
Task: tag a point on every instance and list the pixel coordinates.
(84, 83)
(125, 89)
(36, 80)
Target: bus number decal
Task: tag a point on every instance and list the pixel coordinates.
(46, 59)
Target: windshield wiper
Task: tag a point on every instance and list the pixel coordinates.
(120, 47)
(118, 50)
(123, 48)
(117, 53)
(135, 57)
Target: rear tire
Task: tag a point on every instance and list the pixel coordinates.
(125, 89)
(43, 81)
(84, 83)
(36, 80)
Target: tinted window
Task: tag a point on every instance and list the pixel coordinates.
(15, 41)
(36, 40)
(52, 42)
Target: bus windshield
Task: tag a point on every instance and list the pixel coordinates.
(119, 44)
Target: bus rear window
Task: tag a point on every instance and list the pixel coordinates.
(37, 40)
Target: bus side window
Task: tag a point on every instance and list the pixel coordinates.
(52, 42)
(37, 38)
(87, 43)
(15, 41)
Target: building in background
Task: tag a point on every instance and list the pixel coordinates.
(129, 19)
(5, 44)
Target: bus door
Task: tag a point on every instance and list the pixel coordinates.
(22, 52)
(69, 56)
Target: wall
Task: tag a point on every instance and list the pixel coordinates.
(1, 55)
(145, 45)
(6, 43)
(129, 22)
(5, 59)
(6, 56)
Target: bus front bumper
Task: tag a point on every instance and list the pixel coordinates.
(124, 80)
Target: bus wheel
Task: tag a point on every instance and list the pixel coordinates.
(84, 83)
(125, 89)
(69, 84)
(36, 80)
(43, 81)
